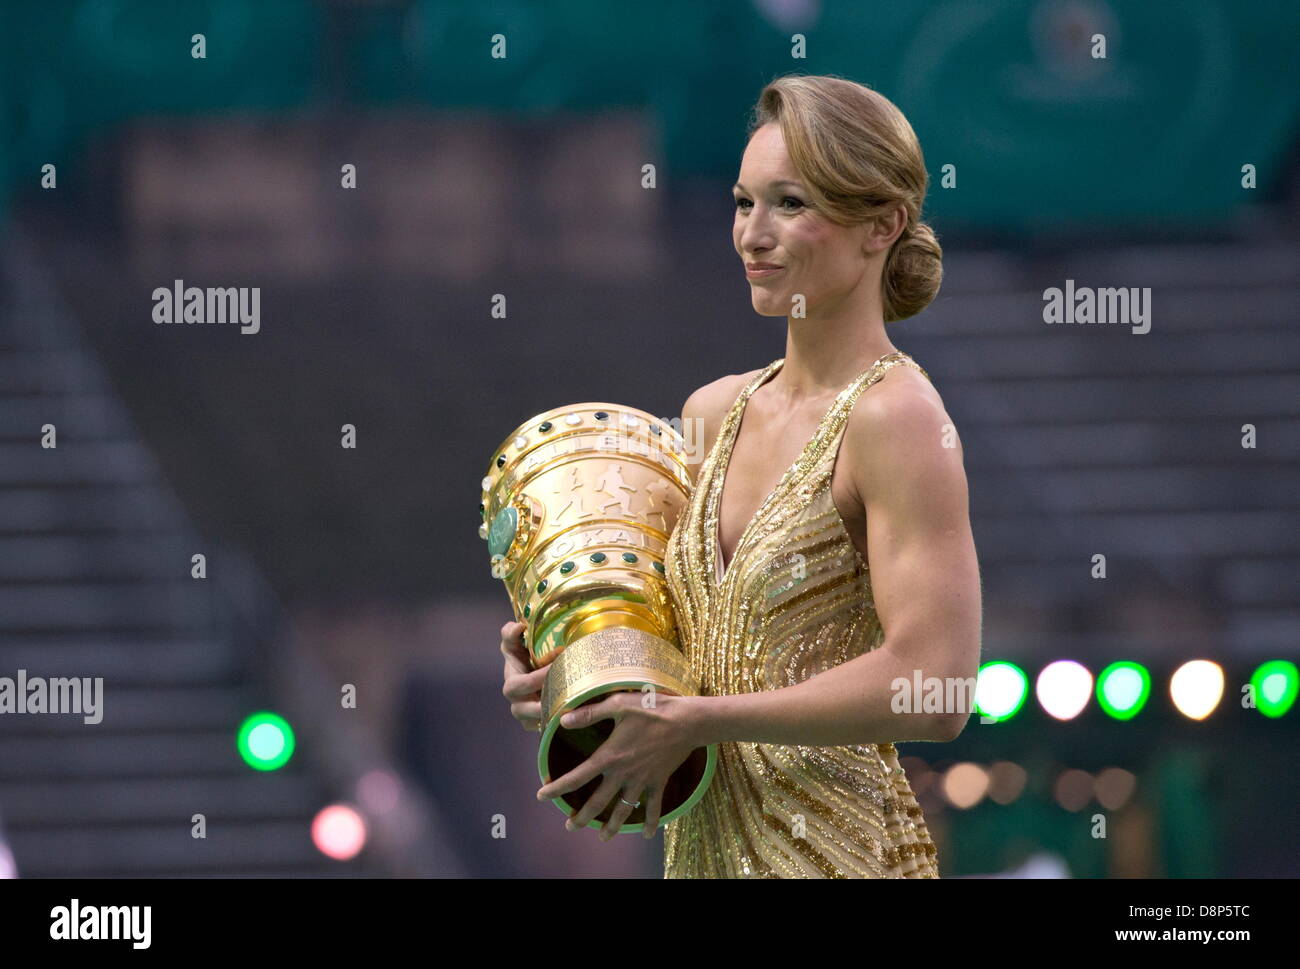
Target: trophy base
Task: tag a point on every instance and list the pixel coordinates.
(609, 660)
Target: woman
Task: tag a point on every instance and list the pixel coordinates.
(836, 456)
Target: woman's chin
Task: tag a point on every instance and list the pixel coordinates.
(765, 305)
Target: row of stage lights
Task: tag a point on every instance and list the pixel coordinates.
(1122, 689)
(1063, 689)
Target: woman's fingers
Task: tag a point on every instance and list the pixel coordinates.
(620, 813)
(524, 691)
(519, 674)
(512, 646)
(522, 685)
(528, 713)
(606, 792)
(653, 801)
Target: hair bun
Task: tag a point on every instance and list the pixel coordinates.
(913, 273)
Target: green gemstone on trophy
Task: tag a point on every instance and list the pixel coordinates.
(541, 586)
(527, 611)
(659, 567)
(545, 426)
(501, 460)
(598, 557)
(629, 556)
(566, 568)
(502, 531)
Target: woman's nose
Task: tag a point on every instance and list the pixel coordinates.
(755, 235)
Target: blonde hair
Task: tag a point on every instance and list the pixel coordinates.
(860, 158)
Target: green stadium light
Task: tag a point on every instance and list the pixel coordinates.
(1000, 690)
(1123, 689)
(1275, 685)
(266, 741)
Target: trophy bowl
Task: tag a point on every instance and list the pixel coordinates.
(577, 507)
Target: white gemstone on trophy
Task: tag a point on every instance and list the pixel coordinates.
(572, 419)
(521, 442)
(482, 531)
(487, 483)
(631, 420)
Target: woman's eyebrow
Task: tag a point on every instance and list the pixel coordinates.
(783, 181)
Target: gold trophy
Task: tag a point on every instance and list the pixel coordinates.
(577, 507)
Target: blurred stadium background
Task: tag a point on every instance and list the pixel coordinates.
(521, 176)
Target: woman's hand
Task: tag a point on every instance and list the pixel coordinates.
(653, 734)
(523, 684)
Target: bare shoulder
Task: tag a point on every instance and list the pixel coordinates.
(712, 401)
(903, 393)
(709, 405)
(899, 435)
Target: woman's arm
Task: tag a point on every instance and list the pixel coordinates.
(906, 464)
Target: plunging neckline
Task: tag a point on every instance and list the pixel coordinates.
(720, 570)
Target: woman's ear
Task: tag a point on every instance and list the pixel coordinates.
(883, 231)
(885, 228)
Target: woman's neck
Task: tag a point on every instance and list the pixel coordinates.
(823, 355)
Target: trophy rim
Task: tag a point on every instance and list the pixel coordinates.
(599, 405)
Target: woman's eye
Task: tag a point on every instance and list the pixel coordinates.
(743, 203)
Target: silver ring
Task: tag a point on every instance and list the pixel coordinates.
(629, 803)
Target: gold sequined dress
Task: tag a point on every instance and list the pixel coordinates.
(795, 600)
